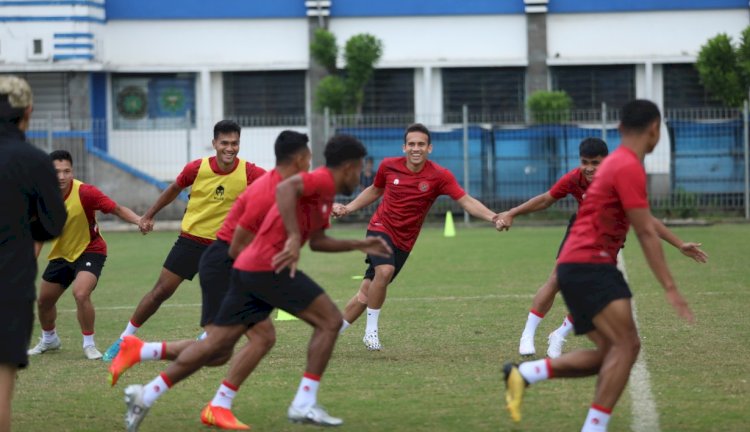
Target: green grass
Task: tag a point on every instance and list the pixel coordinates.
(452, 317)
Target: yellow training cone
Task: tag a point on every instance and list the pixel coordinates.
(285, 316)
(450, 229)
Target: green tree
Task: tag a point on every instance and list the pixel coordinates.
(343, 91)
(549, 106)
(724, 67)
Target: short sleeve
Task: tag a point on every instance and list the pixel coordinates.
(379, 181)
(450, 186)
(563, 186)
(253, 172)
(188, 174)
(630, 184)
(93, 198)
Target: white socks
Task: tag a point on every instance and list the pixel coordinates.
(307, 393)
(372, 320)
(344, 326)
(153, 350)
(129, 330)
(153, 390)
(532, 322)
(535, 371)
(88, 339)
(565, 328)
(225, 395)
(597, 419)
(49, 335)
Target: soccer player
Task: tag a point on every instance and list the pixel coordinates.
(76, 257)
(265, 277)
(292, 156)
(593, 288)
(215, 183)
(32, 210)
(591, 152)
(409, 185)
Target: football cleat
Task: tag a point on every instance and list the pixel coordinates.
(92, 353)
(372, 342)
(316, 415)
(526, 347)
(222, 418)
(129, 355)
(136, 409)
(112, 351)
(515, 385)
(42, 347)
(555, 345)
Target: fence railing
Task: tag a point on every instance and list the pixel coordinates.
(503, 159)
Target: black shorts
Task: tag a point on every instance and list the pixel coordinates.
(60, 271)
(184, 257)
(397, 259)
(214, 270)
(16, 322)
(589, 288)
(567, 233)
(253, 295)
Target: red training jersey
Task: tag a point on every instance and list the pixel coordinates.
(92, 199)
(572, 183)
(187, 177)
(408, 197)
(313, 214)
(251, 206)
(601, 226)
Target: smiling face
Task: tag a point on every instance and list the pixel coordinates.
(417, 148)
(589, 165)
(64, 171)
(227, 145)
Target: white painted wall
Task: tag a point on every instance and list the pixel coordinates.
(665, 37)
(214, 44)
(442, 41)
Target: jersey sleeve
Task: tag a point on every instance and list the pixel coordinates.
(250, 216)
(563, 186)
(253, 172)
(93, 198)
(379, 181)
(630, 184)
(188, 174)
(449, 186)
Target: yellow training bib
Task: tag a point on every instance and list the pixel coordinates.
(75, 236)
(211, 197)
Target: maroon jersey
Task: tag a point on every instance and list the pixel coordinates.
(573, 183)
(190, 172)
(408, 197)
(313, 213)
(92, 199)
(601, 226)
(260, 196)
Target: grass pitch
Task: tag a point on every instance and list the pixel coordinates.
(452, 317)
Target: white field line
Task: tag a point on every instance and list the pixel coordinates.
(644, 417)
(390, 299)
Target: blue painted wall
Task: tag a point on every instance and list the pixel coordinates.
(583, 6)
(366, 8)
(203, 9)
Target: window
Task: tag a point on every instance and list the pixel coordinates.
(683, 89)
(153, 101)
(391, 92)
(266, 98)
(589, 86)
(490, 93)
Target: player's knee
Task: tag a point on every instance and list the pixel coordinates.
(333, 322)
(162, 292)
(265, 337)
(81, 297)
(362, 296)
(45, 302)
(385, 272)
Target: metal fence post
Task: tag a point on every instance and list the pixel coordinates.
(745, 121)
(604, 121)
(326, 124)
(49, 133)
(187, 134)
(465, 112)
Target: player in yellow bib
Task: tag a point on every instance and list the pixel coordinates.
(76, 257)
(215, 183)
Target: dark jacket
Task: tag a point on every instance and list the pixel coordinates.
(31, 208)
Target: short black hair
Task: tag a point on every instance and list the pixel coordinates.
(343, 148)
(226, 127)
(638, 114)
(418, 127)
(61, 155)
(287, 144)
(592, 147)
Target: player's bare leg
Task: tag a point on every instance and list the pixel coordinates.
(356, 305)
(165, 287)
(49, 293)
(7, 383)
(540, 305)
(82, 287)
(375, 300)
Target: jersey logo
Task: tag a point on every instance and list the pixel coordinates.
(395, 181)
(423, 186)
(219, 193)
(324, 209)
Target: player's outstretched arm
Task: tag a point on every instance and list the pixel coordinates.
(167, 196)
(538, 203)
(476, 208)
(365, 198)
(645, 228)
(320, 242)
(689, 249)
(127, 215)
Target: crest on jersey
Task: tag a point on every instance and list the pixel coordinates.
(219, 193)
(395, 181)
(424, 186)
